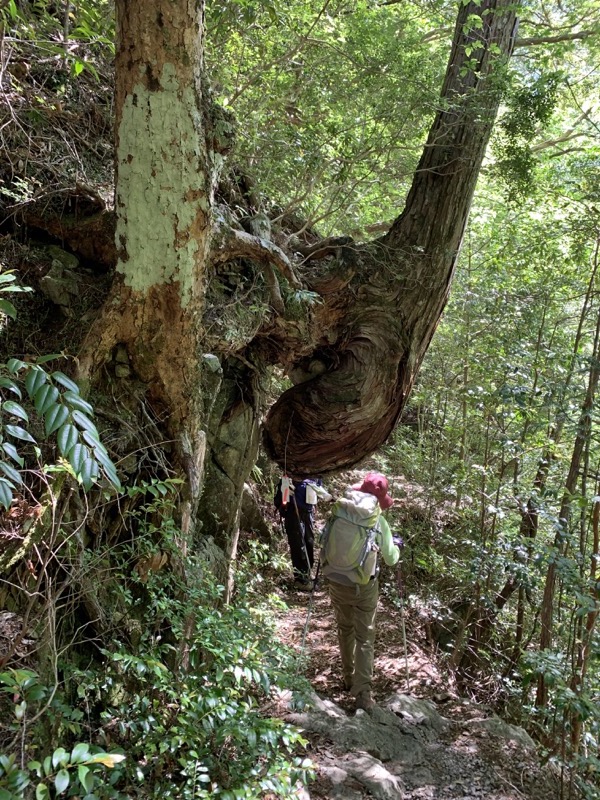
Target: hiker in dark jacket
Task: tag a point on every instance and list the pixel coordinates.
(296, 501)
(357, 534)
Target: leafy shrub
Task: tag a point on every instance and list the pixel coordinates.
(56, 401)
(75, 773)
(186, 706)
(178, 696)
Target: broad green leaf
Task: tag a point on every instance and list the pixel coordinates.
(41, 792)
(109, 469)
(8, 277)
(59, 756)
(61, 781)
(76, 456)
(8, 308)
(15, 410)
(19, 433)
(93, 439)
(89, 472)
(56, 416)
(76, 401)
(45, 396)
(67, 438)
(35, 378)
(80, 752)
(46, 359)
(12, 451)
(11, 473)
(6, 383)
(113, 478)
(60, 377)
(6, 494)
(84, 422)
(14, 365)
(86, 777)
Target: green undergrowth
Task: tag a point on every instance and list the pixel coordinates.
(177, 704)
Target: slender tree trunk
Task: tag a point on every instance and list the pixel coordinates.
(584, 643)
(530, 510)
(562, 525)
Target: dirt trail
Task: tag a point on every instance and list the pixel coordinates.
(423, 741)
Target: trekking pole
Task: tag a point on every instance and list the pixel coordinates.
(311, 600)
(401, 596)
(302, 529)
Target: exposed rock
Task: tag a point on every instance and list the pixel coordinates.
(497, 727)
(60, 285)
(375, 777)
(405, 750)
(121, 356)
(251, 517)
(417, 712)
(381, 732)
(67, 260)
(212, 363)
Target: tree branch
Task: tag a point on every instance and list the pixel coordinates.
(559, 37)
(322, 248)
(571, 133)
(230, 243)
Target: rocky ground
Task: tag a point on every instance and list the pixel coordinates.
(422, 741)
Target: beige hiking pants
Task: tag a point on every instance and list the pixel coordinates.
(355, 608)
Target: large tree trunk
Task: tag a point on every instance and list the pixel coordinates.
(390, 294)
(165, 175)
(170, 142)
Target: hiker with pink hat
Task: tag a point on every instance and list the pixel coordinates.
(355, 534)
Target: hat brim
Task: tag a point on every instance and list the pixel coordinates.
(386, 503)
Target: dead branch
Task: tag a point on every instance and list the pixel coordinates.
(229, 243)
(322, 248)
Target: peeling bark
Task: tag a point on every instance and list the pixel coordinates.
(167, 160)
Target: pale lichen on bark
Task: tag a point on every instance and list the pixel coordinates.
(163, 234)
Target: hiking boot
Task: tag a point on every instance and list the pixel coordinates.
(303, 586)
(365, 701)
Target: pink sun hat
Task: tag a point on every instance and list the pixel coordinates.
(376, 484)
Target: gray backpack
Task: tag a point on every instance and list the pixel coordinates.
(349, 541)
